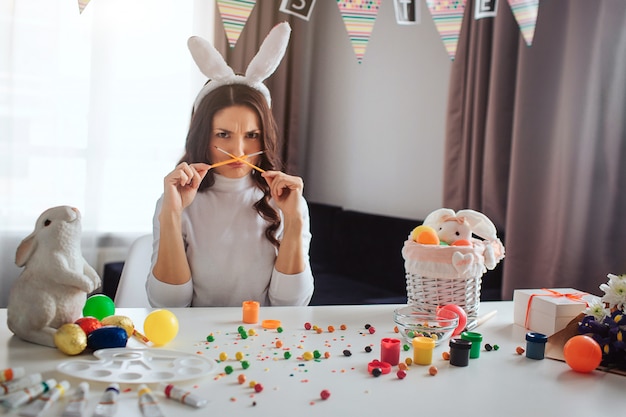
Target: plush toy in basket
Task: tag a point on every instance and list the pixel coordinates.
(445, 259)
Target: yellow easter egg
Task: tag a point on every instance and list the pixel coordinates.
(70, 339)
(120, 321)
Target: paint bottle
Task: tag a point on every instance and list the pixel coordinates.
(535, 345)
(423, 350)
(459, 352)
(390, 350)
(250, 312)
(476, 339)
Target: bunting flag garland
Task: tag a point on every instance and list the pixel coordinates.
(359, 17)
(525, 12)
(82, 4)
(448, 17)
(234, 15)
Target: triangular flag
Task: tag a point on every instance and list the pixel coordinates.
(234, 14)
(82, 4)
(525, 12)
(359, 17)
(448, 17)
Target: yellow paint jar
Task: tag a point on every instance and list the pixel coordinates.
(423, 350)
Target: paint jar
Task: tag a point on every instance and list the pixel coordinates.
(476, 339)
(390, 350)
(459, 352)
(535, 345)
(250, 312)
(423, 350)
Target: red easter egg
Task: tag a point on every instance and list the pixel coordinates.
(582, 353)
(88, 324)
(462, 317)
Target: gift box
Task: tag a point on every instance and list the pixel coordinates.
(548, 311)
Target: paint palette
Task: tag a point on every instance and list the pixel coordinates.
(125, 365)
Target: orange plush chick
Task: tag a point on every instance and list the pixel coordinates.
(425, 235)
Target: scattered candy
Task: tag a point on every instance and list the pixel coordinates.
(279, 343)
(368, 349)
(307, 326)
(401, 374)
(433, 370)
(520, 350)
(377, 372)
(343, 327)
(228, 369)
(317, 354)
(409, 361)
(403, 366)
(252, 384)
(488, 347)
(307, 356)
(245, 364)
(223, 356)
(371, 329)
(367, 326)
(445, 355)
(287, 355)
(406, 347)
(327, 355)
(210, 338)
(325, 394)
(395, 329)
(241, 378)
(496, 347)
(258, 388)
(346, 352)
(239, 356)
(279, 329)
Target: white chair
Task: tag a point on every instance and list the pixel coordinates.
(131, 290)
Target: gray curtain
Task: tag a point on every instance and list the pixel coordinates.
(537, 139)
(289, 85)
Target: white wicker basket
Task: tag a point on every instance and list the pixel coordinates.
(440, 275)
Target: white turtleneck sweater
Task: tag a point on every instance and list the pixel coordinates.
(231, 261)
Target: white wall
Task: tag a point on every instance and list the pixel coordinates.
(377, 128)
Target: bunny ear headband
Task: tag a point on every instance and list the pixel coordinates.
(264, 63)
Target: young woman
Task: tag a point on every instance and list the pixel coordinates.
(230, 233)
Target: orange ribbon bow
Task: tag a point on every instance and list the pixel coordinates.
(575, 296)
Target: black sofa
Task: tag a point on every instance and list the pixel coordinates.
(355, 257)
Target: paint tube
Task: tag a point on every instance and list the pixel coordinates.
(19, 398)
(147, 402)
(107, 407)
(46, 400)
(77, 404)
(12, 373)
(19, 384)
(182, 395)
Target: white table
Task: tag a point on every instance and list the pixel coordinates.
(498, 383)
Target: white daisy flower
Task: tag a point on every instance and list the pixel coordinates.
(615, 291)
(597, 310)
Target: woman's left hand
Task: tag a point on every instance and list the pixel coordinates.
(286, 191)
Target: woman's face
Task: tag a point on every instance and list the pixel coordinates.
(236, 130)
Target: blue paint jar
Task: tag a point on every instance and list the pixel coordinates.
(535, 345)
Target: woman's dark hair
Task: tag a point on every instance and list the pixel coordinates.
(200, 132)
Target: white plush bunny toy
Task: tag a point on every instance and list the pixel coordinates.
(53, 287)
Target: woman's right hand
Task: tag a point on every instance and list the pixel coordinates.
(181, 185)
